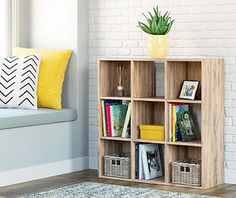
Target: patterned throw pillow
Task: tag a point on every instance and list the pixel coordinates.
(18, 81)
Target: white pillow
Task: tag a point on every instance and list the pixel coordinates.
(18, 81)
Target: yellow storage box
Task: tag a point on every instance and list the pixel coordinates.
(152, 127)
(152, 132)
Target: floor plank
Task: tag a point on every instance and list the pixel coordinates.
(15, 191)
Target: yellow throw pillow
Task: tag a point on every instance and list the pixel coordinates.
(51, 74)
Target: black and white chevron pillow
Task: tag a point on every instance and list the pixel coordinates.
(18, 81)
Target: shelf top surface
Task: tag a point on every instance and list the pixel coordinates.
(151, 99)
(114, 98)
(184, 101)
(194, 143)
(177, 59)
(132, 59)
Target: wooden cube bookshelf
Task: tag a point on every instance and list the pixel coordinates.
(140, 82)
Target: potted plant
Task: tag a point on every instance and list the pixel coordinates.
(157, 26)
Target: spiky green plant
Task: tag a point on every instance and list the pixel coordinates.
(157, 24)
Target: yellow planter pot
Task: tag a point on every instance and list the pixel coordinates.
(158, 46)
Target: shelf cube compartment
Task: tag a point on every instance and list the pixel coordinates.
(149, 158)
(196, 113)
(180, 154)
(109, 77)
(116, 160)
(179, 71)
(148, 79)
(147, 113)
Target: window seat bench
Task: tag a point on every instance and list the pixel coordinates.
(14, 118)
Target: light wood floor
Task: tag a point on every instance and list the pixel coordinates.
(226, 190)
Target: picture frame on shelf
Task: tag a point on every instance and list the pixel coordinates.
(189, 89)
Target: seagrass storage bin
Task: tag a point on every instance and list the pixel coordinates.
(117, 165)
(187, 172)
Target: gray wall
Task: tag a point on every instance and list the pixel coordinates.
(54, 24)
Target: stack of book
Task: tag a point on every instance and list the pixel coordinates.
(181, 126)
(152, 132)
(116, 118)
(149, 161)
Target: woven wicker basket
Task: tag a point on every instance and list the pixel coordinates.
(117, 165)
(186, 172)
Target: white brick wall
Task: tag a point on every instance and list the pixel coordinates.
(202, 28)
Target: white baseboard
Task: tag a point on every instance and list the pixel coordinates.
(230, 176)
(43, 171)
(93, 162)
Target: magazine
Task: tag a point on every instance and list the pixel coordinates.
(186, 126)
(149, 162)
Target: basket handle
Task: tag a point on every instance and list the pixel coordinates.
(185, 169)
(115, 162)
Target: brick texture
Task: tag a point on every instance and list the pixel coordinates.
(201, 28)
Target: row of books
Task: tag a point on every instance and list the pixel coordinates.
(116, 118)
(181, 125)
(149, 161)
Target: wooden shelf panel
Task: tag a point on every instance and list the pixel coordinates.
(184, 101)
(149, 141)
(150, 99)
(114, 178)
(196, 143)
(185, 186)
(143, 79)
(115, 98)
(160, 180)
(156, 60)
(135, 59)
(116, 139)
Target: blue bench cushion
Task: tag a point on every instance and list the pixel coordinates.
(13, 118)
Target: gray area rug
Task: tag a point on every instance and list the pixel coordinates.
(99, 190)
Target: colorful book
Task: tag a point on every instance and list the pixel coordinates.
(173, 121)
(137, 161)
(107, 104)
(140, 165)
(104, 120)
(174, 132)
(151, 161)
(179, 109)
(186, 126)
(117, 119)
(108, 120)
(170, 123)
(126, 123)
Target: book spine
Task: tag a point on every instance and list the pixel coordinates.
(170, 123)
(174, 124)
(137, 161)
(112, 120)
(108, 119)
(104, 119)
(178, 136)
(140, 165)
(177, 130)
(127, 120)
